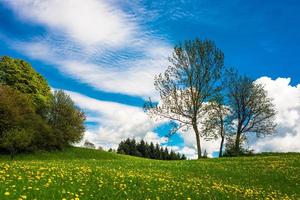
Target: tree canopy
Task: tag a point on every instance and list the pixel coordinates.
(190, 81)
(30, 112)
(19, 75)
(252, 111)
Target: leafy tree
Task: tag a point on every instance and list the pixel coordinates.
(66, 119)
(88, 144)
(230, 149)
(18, 113)
(45, 137)
(190, 81)
(252, 112)
(19, 75)
(16, 140)
(16, 110)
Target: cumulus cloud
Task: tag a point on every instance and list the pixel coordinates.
(287, 101)
(116, 122)
(189, 138)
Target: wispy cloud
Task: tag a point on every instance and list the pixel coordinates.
(88, 22)
(95, 43)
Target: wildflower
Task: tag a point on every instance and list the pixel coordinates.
(6, 193)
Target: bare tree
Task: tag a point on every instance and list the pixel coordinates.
(188, 82)
(252, 111)
(217, 123)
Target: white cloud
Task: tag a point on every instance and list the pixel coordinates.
(155, 138)
(89, 22)
(79, 31)
(189, 138)
(116, 54)
(116, 122)
(287, 101)
(134, 78)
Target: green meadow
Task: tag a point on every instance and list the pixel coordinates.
(78, 173)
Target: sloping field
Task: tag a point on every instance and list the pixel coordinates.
(89, 174)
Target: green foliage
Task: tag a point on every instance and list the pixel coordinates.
(17, 113)
(19, 75)
(66, 119)
(143, 149)
(230, 148)
(192, 79)
(16, 109)
(15, 140)
(251, 110)
(51, 121)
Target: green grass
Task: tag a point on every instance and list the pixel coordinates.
(89, 174)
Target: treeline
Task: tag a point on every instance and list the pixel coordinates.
(146, 150)
(32, 117)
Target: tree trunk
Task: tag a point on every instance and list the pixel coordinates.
(221, 147)
(237, 144)
(195, 127)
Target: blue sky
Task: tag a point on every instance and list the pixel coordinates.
(107, 52)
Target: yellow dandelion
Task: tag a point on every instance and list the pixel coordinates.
(6, 193)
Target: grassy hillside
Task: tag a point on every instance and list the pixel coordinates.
(89, 174)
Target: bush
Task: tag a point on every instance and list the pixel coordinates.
(230, 150)
(16, 140)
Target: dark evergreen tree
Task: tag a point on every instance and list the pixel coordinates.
(161, 153)
(151, 151)
(166, 154)
(157, 152)
(143, 149)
